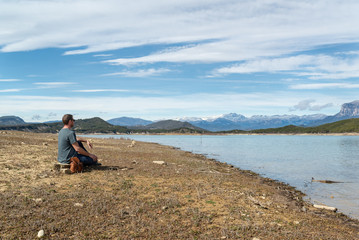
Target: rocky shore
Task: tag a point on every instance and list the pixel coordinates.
(148, 191)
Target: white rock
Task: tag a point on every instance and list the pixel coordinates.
(41, 234)
(38, 200)
(325, 207)
(78, 204)
(256, 238)
(160, 162)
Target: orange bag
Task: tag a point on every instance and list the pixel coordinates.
(75, 165)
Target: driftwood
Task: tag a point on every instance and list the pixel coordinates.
(325, 207)
(325, 181)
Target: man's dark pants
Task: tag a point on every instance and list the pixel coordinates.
(85, 159)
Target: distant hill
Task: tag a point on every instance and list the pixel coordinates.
(168, 125)
(343, 126)
(127, 121)
(98, 125)
(91, 125)
(11, 121)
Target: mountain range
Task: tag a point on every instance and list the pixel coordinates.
(232, 121)
(225, 122)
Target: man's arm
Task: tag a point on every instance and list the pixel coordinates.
(82, 151)
(86, 141)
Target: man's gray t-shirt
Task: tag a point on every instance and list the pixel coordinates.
(65, 149)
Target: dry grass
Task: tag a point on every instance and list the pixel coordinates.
(130, 197)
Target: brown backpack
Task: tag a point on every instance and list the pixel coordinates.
(76, 165)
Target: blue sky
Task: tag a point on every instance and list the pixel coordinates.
(168, 59)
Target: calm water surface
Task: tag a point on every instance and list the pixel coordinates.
(290, 159)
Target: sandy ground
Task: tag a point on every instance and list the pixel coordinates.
(130, 197)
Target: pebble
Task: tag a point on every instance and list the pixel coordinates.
(160, 162)
(164, 207)
(41, 234)
(296, 222)
(256, 238)
(38, 200)
(78, 204)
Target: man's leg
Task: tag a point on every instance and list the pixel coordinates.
(85, 159)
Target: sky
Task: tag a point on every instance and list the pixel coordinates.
(158, 59)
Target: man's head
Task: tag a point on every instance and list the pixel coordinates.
(68, 120)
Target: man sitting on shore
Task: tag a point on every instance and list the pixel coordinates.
(69, 146)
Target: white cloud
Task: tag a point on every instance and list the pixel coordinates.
(312, 66)
(9, 90)
(140, 73)
(36, 117)
(269, 65)
(103, 55)
(53, 84)
(308, 105)
(52, 114)
(311, 86)
(244, 29)
(100, 90)
(9, 80)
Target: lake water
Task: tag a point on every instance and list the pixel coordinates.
(287, 158)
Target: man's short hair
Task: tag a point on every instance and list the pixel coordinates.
(66, 118)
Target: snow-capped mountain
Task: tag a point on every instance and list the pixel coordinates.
(232, 121)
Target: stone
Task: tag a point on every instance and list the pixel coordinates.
(66, 171)
(41, 234)
(256, 238)
(58, 166)
(133, 143)
(38, 200)
(78, 204)
(160, 162)
(296, 222)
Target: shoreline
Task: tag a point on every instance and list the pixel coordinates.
(309, 199)
(190, 196)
